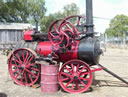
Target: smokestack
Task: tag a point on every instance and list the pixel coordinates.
(89, 18)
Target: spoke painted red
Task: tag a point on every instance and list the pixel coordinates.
(77, 84)
(72, 68)
(26, 57)
(82, 69)
(82, 83)
(30, 60)
(66, 74)
(30, 77)
(68, 69)
(65, 79)
(18, 74)
(15, 65)
(73, 84)
(69, 83)
(30, 73)
(68, 27)
(84, 73)
(83, 78)
(19, 59)
(26, 82)
(30, 65)
(16, 60)
(77, 68)
(15, 70)
(34, 69)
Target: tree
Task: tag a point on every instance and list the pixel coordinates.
(118, 26)
(70, 9)
(21, 10)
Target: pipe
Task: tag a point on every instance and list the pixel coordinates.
(89, 18)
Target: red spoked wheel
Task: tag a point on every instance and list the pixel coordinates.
(75, 76)
(62, 33)
(73, 23)
(22, 67)
(57, 38)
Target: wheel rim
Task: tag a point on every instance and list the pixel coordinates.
(75, 76)
(22, 67)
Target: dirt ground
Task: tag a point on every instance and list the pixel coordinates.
(104, 85)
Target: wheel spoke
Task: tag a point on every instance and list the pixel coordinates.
(30, 77)
(82, 69)
(73, 84)
(34, 69)
(68, 69)
(26, 57)
(84, 73)
(68, 27)
(77, 68)
(30, 73)
(72, 68)
(66, 74)
(68, 83)
(25, 79)
(83, 78)
(15, 70)
(19, 59)
(16, 60)
(30, 65)
(82, 83)
(65, 79)
(30, 60)
(17, 74)
(77, 85)
(15, 65)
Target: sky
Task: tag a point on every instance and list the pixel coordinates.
(101, 8)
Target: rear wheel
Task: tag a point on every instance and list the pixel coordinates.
(22, 67)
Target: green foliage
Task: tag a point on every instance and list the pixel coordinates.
(68, 10)
(118, 26)
(21, 10)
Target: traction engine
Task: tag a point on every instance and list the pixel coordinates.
(70, 42)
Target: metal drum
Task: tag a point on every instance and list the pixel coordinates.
(49, 78)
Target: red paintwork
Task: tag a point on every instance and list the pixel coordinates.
(46, 48)
(27, 35)
(71, 54)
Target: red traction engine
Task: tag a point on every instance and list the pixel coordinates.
(67, 43)
(70, 43)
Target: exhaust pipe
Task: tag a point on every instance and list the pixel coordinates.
(89, 19)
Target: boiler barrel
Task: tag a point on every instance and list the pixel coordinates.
(89, 50)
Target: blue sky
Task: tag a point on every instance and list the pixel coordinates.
(101, 8)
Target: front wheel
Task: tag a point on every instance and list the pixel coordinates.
(75, 76)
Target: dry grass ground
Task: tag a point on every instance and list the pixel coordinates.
(108, 86)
